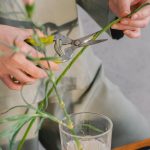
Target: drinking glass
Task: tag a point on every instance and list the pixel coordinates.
(92, 131)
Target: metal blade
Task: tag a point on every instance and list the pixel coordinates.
(93, 42)
(86, 38)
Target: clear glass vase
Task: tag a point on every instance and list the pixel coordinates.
(91, 132)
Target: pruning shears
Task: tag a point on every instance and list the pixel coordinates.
(63, 45)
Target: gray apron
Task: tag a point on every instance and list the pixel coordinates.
(85, 87)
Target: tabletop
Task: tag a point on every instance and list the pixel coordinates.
(135, 146)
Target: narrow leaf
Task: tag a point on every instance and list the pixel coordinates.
(18, 128)
(93, 128)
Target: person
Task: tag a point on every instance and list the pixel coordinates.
(82, 89)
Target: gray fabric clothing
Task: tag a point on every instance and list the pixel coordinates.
(31, 144)
(106, 98)
(10, 98)
(98, 9)
(85, 87)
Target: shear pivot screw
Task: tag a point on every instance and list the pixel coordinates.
(77, 43)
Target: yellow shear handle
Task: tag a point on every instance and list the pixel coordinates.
(45, 40)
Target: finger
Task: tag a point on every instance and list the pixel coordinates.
(32, 70)
(134, 2)
(25, 48)
(39, 33)
(113, 7)
(120, 26)
(10, 84)
(133, 34)
(28, 50)
(124, 7)
(35, 31)
(27, 33)
(136, 23)
(20, 62)
(35, 54)
(22, 77)
(54, 66)
(46, 64)
(143, 13)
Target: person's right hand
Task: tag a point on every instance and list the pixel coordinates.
(131, 26)
(15, 65)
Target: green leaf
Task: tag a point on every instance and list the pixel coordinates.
(39, 125)
(92, 127)
(25, 134)
(14, 118)
(16, 130)
(5, 133)
(45, 103)
(37, 59)
(19, 106)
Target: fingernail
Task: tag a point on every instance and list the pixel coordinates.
(54, 66)
(126, 12)
(126, 32)
(135, 16)
(114, 26)
(124, 22)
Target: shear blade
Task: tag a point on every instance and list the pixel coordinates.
(92, 42)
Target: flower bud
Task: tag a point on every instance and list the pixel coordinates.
(29, 6)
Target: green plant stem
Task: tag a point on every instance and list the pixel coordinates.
(16, 132)
(69, 121)
(42, 115)
(35, 59)
(25, 135)
(76, 57)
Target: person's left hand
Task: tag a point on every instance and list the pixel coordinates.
(130, 26)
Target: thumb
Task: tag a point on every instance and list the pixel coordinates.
(124, 8)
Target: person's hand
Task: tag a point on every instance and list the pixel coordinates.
(15, 65)
(130, 26)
